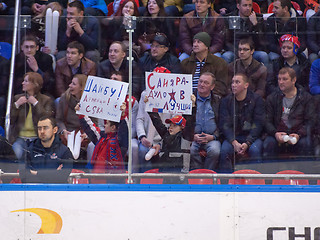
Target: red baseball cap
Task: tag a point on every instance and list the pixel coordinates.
(178, 120)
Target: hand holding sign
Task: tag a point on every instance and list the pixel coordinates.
(102, 98)
(169, 93)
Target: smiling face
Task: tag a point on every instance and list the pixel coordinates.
(153, 7)
(75, 87)
(128, 9)
(116, 55)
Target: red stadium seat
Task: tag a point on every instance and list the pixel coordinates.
(202, 180)
(247, 181)
(294, 4)
(151, 180)
(79, 180)
(290, 181)
(256, 7)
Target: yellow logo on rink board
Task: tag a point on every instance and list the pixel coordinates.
(51, 222)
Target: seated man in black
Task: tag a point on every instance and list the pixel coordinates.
(47, 159)
(290, 117)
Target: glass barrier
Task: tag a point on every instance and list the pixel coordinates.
(248, 112)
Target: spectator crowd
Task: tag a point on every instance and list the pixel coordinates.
(255, 83)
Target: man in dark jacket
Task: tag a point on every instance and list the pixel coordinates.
(201, 60)
(242, 116)
(249, 25)
(205, 123)
(81, 28)
(290, 113)
(117, 62)
(159, 57)
(30, 59)
(289, 58)
(285, 20)
(48, 160)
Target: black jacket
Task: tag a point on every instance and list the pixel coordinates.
(301, 116)
(46, 161)
(45, 70)
(275, 28)
(247, 29)
(173, 145)
(302, 73)
(247, 120)
(147, 64)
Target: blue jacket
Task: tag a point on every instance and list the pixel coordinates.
(314, 79)
(46, 161)
(99, 4)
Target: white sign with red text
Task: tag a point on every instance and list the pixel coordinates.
(102, 98)
(169, 93)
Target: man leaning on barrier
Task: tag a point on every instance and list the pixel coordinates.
(48, 160)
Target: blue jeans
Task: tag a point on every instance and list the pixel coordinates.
(261, 56)
(172, 11)
(212, 149)
(227, 155)
(273, 56)
(271, 148)
(19, 147)
(144, 165)
(228, 56)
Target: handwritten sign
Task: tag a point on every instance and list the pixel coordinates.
(102, 98)
(169, 93)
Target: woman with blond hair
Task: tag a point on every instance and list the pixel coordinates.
(67, 119)
(26, 110)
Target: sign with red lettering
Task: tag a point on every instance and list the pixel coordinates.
(169, 93)
(102, 98)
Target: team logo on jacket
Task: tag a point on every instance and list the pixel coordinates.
(54, 156)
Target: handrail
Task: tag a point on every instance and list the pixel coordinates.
(198, 175)
(13, 57)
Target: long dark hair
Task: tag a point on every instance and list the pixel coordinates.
(161, 13)
(119, 12)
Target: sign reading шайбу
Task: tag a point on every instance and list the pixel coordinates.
(102, 98)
